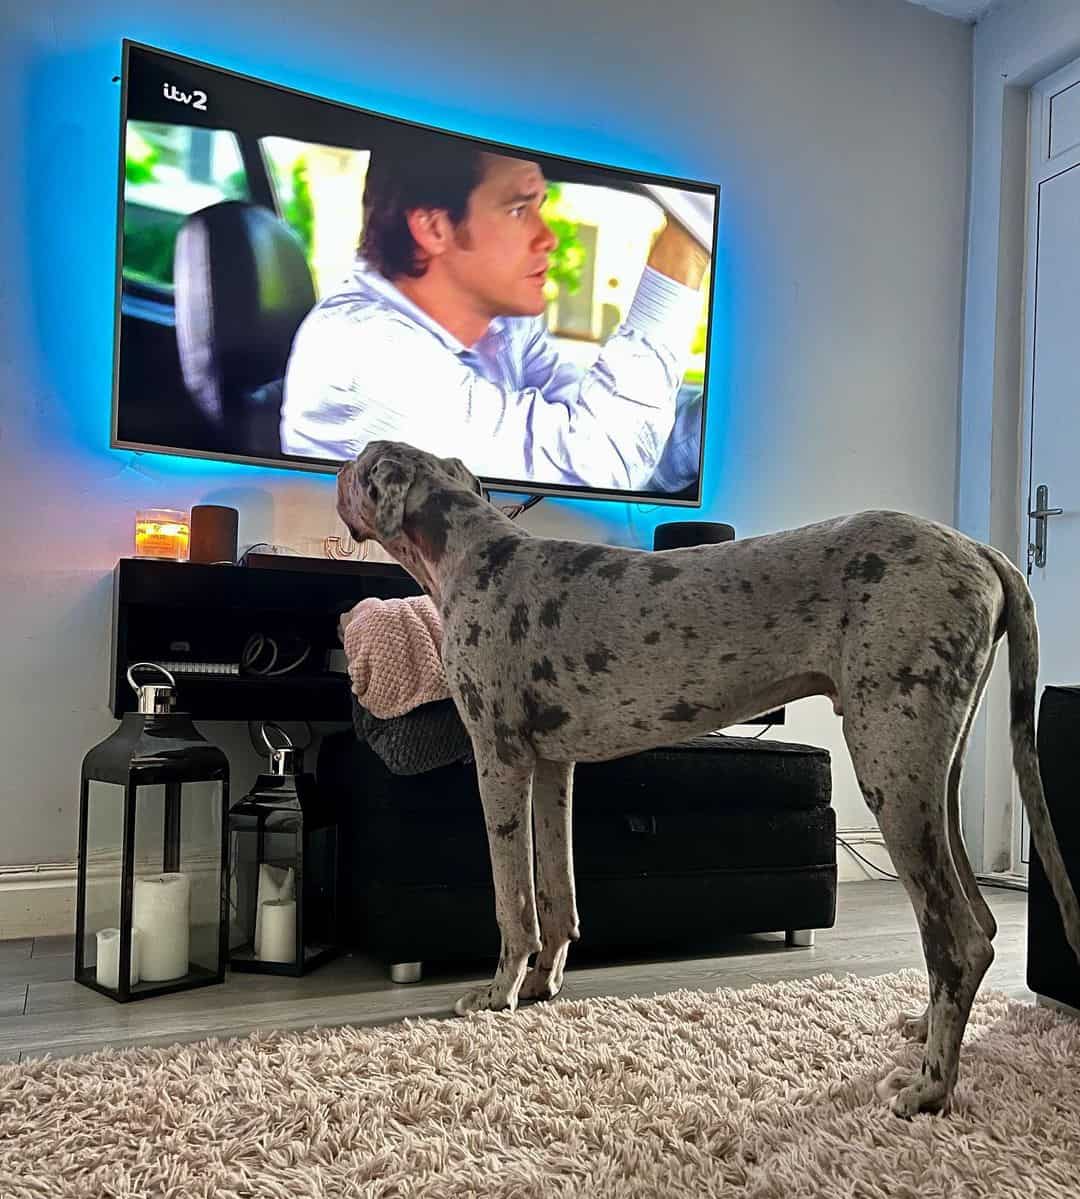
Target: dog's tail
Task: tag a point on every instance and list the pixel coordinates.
(1022, 632)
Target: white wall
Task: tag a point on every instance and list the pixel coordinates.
(1016, 44)
(839, 130)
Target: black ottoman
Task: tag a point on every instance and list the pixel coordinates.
(1052, 969)
(675, 849)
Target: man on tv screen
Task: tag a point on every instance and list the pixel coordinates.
(438, 338)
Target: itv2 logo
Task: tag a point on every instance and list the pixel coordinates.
(194, 99)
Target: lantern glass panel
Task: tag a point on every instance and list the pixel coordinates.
(178, 832)
(243, 890)
(265, 861)
(104, 869)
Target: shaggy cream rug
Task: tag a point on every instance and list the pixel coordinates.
(764, 1092)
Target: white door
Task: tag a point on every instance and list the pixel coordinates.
(1054, 381)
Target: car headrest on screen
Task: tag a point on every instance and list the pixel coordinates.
(242, 287)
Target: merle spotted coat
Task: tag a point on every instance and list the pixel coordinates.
(559, 651)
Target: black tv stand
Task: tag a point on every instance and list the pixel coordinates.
(356, 567)
(182, 611)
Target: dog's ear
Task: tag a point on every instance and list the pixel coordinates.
(458, 471)
(388, 483)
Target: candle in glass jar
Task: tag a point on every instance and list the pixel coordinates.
(162, 908)
(108, 957)
(162, 533)
(275, 882)
(278, 940)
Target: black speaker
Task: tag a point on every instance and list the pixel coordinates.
(213, 533)
(678, 534)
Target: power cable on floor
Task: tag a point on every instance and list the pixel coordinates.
(983, 880)
(866, 861)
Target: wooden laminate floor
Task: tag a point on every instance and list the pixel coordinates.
(43, 1011)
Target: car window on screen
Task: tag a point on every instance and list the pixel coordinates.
(171, 171)
(320, 192)
(603, 236)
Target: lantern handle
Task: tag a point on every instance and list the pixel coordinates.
(267, 724)
(149, 666)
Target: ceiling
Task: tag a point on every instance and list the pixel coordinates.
(962, 10)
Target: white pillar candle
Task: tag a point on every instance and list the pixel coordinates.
(275, 882)
(163, 918)
(108, 957)
(278, 931)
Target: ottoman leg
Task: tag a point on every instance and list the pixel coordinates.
(408, 972)
(800, 938)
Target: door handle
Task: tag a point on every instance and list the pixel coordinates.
(1039, 514)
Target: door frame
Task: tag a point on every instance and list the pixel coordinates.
(1042, 166)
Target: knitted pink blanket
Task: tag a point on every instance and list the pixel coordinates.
(392, 647)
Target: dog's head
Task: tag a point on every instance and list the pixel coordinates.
(394, 491)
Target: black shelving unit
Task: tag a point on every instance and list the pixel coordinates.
(181, 611)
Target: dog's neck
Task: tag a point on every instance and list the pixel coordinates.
(405, 554)
(440, 537)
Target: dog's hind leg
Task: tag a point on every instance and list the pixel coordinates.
(905, 780)
(915, 1027)
(553, 784)
(506, 792)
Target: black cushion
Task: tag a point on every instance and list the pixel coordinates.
(712, 803)
(423, 739)
(674, 846)
(717, 770)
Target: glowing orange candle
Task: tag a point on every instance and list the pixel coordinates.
(162, 533)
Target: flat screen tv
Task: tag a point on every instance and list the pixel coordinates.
(297, 277)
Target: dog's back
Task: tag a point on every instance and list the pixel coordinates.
(640, 648)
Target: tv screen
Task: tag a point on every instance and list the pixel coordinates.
(297, 277)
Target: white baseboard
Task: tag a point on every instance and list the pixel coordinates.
(38, 901)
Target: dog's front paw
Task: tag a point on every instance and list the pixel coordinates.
(544, 979)
(540, 984)
(909, 1094)
(485, 999)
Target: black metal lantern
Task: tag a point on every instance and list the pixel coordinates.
(283, 840)
(152, 898)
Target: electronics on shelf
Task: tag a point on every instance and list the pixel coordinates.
(201, 667)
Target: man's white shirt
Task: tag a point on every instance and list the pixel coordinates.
(368, 364)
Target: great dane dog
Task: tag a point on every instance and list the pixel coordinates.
(559, 651)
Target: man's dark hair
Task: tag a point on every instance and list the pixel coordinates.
(414, 169)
